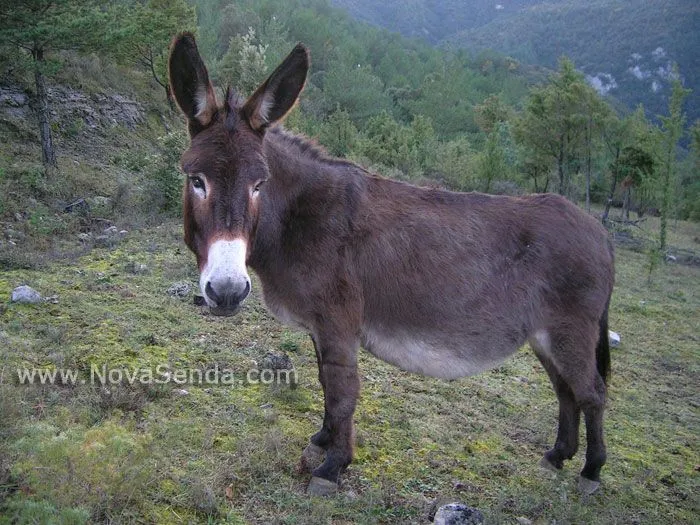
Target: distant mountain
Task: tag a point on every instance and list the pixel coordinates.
(625, 47)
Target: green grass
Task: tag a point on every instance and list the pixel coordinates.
(143, 454)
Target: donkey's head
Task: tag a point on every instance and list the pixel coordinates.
(225, 165)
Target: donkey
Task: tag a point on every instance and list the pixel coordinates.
(437, 283)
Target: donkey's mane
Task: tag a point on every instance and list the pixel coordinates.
(307, 147)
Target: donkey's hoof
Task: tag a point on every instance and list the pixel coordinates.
(586, 486)
(311, 458)
(321, 487)
(546, 464)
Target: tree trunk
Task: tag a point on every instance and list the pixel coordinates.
(588, 164)
(48, 153)
(626, 204)
(612, 186)
(169, 97)
(588, 183)
(560, 168)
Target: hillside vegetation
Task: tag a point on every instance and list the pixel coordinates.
(625, 46)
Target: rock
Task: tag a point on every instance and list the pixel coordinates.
(111, 230)
(84, 237)
(311, 458)
(136, 268)
(523, 520)
(104, 241)
(671, 258)
(275, 361)
(53, 299)
(321, 487)
(179, 392)
(613, 338)
(100, 201)
(14, 235)
(458, 514)
(179, 289)
(25, 294)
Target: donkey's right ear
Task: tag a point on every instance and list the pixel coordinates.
(189, 82)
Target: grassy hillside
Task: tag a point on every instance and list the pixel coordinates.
(188, 453)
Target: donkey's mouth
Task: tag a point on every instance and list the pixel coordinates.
(225, 311)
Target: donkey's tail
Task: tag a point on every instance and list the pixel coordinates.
(603, 349)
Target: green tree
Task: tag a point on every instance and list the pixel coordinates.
(141, 33)
(671, 132)
(490, 113)
(338, 133)
(455, 164)
(491, 162)
(595, 112)
(40, 28)
(635, 166)
(553, 123)
(243, 65)
(690, 185)
(632, 131)
(356, 89)
(408, 148)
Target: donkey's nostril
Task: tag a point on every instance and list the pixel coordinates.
(209, 290)
(227, 294)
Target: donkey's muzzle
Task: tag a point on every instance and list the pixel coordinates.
(226, 297)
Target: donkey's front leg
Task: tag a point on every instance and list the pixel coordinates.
(337, 359)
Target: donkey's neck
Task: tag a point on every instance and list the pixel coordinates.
(309, 194)
(303, 169)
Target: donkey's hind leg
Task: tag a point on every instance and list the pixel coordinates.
(571, 351)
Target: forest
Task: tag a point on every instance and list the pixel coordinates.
(460, 120)
(90, 215)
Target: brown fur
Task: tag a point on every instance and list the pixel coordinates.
(440, 283)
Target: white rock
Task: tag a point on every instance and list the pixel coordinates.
(25, 294)
(458, 514)
(613, 338)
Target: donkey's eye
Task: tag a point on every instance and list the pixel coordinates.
(256, 188)
(197, 183)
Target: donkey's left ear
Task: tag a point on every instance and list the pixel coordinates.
(278, 94)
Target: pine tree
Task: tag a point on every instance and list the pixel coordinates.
(40, 28)
(671, 132)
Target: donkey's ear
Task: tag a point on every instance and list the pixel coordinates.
(189, 82)
(278, 94)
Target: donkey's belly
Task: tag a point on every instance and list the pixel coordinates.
(425, 355)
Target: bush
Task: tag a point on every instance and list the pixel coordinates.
(164, 176)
